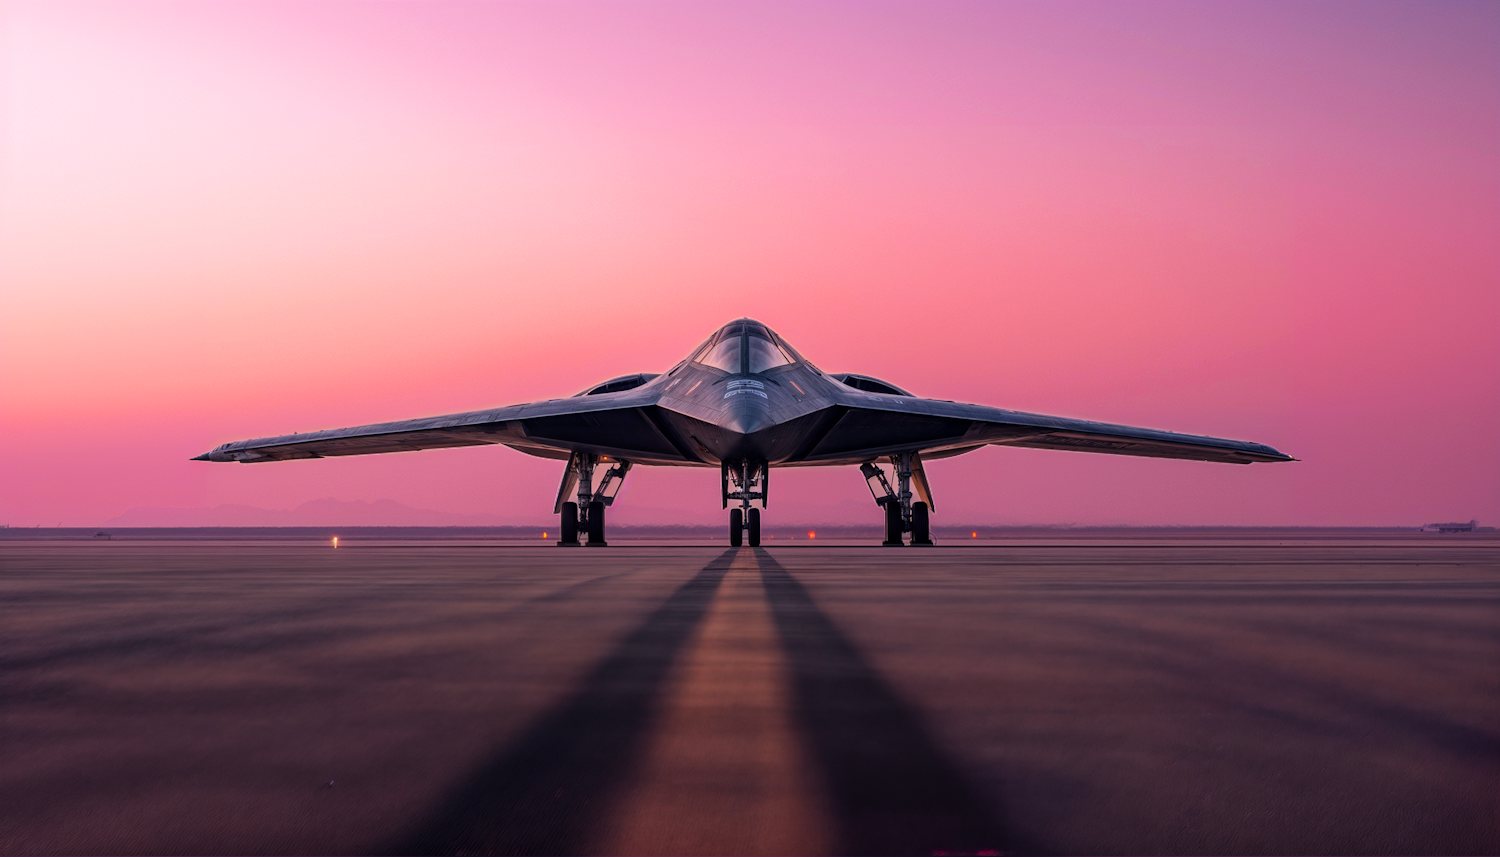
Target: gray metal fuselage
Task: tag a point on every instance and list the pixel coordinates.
(782, 417)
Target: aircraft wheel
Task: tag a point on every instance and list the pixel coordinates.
(755, 528)
(921, 524)
(736, 527)
(596, 524)
(892, 525)
(569, 525)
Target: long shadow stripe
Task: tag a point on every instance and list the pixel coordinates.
(892, 789)
(546, 792)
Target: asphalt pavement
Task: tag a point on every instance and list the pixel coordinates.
(1178, 697)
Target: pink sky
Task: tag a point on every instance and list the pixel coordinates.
(1268, 221)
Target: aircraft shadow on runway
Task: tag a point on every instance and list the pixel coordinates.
(890, 788)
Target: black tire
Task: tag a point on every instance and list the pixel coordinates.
(569, 524)
(892, 525)
(736, 527)
(596, 524)
(921, 524)
(754, 528)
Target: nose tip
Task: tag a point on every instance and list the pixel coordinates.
(747, 423)
(749, 411)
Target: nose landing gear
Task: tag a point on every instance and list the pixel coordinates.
(744, 482)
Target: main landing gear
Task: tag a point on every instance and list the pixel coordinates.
(901, 514)
(587, 514)
(744, 481)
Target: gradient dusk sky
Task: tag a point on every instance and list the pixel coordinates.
(1276, 222)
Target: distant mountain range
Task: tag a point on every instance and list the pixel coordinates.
(327, 512)
(330, 512)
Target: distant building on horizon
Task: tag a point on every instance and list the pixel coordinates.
(1469, 527)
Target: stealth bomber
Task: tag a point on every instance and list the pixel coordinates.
(745, 401)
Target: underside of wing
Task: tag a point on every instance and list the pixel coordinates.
(359, 440)
(619, 424)
(869, 425)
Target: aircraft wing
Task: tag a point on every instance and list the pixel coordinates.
(874, 424)
(618, 424)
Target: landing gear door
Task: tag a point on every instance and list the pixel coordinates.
(569, 482)
(919, 482)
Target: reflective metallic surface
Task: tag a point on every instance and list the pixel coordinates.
(745, 401)
(751, 397)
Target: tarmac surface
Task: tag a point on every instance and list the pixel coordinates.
(1149, 697)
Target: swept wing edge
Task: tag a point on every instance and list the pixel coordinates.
(473, 428)
(1002, 427)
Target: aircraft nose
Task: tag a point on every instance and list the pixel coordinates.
(747, 423)
(749, 411)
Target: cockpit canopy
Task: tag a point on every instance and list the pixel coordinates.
(745, 347)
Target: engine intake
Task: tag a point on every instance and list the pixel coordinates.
(869, 384)
(618, 385)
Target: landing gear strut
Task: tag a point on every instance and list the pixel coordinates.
(744, 481)
(901, 514)
(588, 512)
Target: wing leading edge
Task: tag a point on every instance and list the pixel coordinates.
(876, 424)
(856, 427)
(618, 424)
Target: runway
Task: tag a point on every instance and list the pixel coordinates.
(1187, 696)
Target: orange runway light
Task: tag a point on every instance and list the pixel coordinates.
(811, 534)
(544, 534)
(974, 535)
(335, 542)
